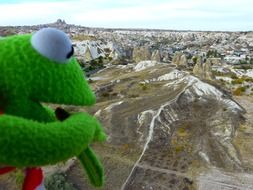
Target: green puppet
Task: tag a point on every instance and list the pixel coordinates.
(35, 69)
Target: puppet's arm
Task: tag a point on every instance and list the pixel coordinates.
(36, 144)
(88, 158)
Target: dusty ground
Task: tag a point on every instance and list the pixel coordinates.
(244, 136)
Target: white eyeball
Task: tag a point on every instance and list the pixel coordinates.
(53, 44)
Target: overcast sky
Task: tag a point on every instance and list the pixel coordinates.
(232, 15)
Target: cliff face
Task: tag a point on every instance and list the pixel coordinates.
(167, 130)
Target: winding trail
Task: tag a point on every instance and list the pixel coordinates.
(151, 130)
(149, 138)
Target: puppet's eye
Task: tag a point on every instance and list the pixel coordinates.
(53, 44)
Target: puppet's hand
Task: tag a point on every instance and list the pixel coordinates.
(99, 133)
(92, 122)
(38, 144)
(88, 158)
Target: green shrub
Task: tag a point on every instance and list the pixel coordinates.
(105, 94)
(239, 91)
(234, 76)
(221, 80)
(194, 59)
(243, 88)
(243, 66)
(143, 86)
(238, 81)
(213, 53)
(248, 79)
(82, 37)
(243, 62)
(133, 95)
(58, 181)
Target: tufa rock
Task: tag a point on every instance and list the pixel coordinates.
(60, 22)
(141, 54)
(203, 70)
(180, 59)
(156, 56)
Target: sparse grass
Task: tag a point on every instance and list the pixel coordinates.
(114, 94)
(125, 149)
(82, 37)
(242, 80)
(243, 141)
(58, 181)
(19, 177)
(180, 141)
(182, 132)
(143, 86)
(245, 67)
(239, 91)
(105, 94)
(134, 95)
(243, 128)
(234, 76)
(228, 74)
(222, 81)
(179, 148)
(92, 67)
(248, 79)
(238, 81)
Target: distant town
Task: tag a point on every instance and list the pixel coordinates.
(229, 47)
(225, 54)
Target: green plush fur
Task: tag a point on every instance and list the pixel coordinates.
(43, 144)
(26, 74)
(29, 132)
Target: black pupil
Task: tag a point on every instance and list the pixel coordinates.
(70, 53)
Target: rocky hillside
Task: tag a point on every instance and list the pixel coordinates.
(167, 130)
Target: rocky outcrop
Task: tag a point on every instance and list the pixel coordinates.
(88, 50)
(180, 59)
(60, 22)
(144, 65)
(156, 56)
(203, 70)
(141, 54)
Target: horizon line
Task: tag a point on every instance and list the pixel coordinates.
(131, 28)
